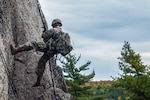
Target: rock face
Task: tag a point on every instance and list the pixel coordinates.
(22, 21)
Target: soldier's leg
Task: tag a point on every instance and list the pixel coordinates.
(38, 46)
(21, 48)
(41, 67)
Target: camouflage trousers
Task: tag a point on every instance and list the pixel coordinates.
(42, 47)
(37, 46)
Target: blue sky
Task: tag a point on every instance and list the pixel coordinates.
(98, 29)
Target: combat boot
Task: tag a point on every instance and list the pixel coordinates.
(15, 50)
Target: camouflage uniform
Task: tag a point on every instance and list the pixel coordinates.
(38, 46)
(55, 41)
(49, 37)
(48, 47)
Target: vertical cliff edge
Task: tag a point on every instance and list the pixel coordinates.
(22, 21)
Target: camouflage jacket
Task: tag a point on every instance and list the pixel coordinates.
(51, 34)
(57, 40)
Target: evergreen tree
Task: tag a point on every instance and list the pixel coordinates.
(135, 78)
(74, 78)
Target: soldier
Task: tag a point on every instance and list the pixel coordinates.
(47, 47)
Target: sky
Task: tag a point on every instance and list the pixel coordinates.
(98, 29)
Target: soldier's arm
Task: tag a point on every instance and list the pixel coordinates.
(47, 35)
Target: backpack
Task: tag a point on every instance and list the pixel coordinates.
(63, 44)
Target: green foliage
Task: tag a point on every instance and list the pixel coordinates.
(108, 92)
(130, 62)
(114, 93)
(98, 98)
(74, 79)
(135, 78)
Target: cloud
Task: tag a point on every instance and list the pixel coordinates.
(96, 48)
(105, 48)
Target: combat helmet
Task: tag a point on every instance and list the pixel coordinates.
(56, 22)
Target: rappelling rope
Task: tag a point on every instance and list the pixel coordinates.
(45, 29)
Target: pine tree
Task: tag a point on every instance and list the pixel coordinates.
(74, 78)
(135, 78)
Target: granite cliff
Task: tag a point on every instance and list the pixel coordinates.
(22, 21)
